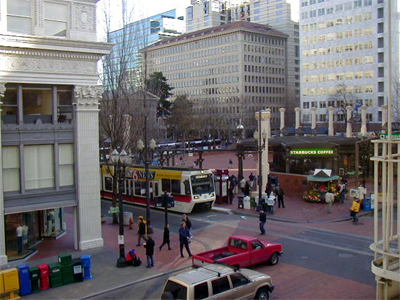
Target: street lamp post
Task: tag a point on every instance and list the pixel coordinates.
(120, 161)
(147, 155)
(260, 139)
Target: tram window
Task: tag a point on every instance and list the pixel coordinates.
(138, 187)
(108, 183)
(187, 187)
(166, 185)
(176, 186)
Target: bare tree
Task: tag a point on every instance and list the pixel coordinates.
(343, 98)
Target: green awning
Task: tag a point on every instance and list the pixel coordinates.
(322, 179)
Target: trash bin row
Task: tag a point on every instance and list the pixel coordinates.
(42, 277)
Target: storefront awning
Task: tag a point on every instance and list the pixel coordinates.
(322, 179)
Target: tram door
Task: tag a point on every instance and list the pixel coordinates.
(129, 187)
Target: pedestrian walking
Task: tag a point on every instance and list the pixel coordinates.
(242, 184)
(188, 223)
(166, 238)
(342, 192)
(184, 239)
(247, 189)
(230, 164)
(141, 230)
(251, 180)
(329, 198)
(354, 209)
(263, 219)
(281, 194)
(149, 245)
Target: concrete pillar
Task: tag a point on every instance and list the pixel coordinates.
(384, 115)
(313, 117)
(363, 120)
(349, 132)
(331, 131)
(3, 256)
(297, 112)
(87, 166)
(265, 126)
(282, 117)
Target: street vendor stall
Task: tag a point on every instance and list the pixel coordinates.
(320, 183)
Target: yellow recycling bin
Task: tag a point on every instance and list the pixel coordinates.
(11, 282)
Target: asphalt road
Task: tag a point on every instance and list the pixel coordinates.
(320, 253)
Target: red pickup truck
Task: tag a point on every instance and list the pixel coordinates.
(241, 251)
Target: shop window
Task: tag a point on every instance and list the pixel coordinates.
(64, 102)
(55, 19)
(11, 168)
(66, 164)
(19, 18)
(39, 166)
(37, 104)
(9, 114)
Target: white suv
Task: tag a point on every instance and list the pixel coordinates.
(217, 281)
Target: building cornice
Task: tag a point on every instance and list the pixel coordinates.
(8, 41)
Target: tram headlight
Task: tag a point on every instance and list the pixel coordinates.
(212, 195)
(196, 197)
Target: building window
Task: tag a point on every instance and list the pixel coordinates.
(39, 166)
(55, 19)
(37, 104)
(66, 164)
(19, 18)
(10, 105)
(64, 102)
(11, 168)
(381, 44)
(380, 13)
(380, 27)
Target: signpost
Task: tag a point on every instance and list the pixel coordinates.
(113, 210)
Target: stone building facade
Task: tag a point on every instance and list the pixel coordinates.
(49, 146)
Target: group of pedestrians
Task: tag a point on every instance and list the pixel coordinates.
(185, 236)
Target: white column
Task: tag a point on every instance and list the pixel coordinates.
(282, 111)
(384, 115)
(265, 124)
(297, 112)
(313, 117)
(3, 256)
(349, 132)
(363, 120)
(87, 166)
(331, 131)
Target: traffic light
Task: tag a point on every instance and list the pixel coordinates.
(165, 201)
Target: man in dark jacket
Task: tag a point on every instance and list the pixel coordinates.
(149, 245)
(263, 219)
(184, 239)
(141, 230)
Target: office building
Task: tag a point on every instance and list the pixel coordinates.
(49, 123)
(274, 13)
(228, 72)
(345, 50)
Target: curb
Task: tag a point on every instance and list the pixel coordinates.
(133, 283)
(250, 214)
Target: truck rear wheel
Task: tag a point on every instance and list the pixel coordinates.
(273, 260)
(262, 294)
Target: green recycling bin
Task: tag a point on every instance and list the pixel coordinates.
(35, 276)
(55, 275)
(67, 274)
(65, 259)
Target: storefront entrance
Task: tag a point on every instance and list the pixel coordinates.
(25, 230)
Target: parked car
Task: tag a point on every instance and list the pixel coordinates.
(241, 251)
(218, 281)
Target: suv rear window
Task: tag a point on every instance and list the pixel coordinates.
(177, 290)
(201, 291)
(220, 285)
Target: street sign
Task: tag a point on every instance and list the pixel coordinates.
(384, 136)
(113, 210)
(120, 240)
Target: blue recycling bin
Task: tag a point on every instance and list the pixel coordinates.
(24, 280)
(86, 264)
(367, 204)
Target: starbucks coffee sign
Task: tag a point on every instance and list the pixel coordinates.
(311, 152)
